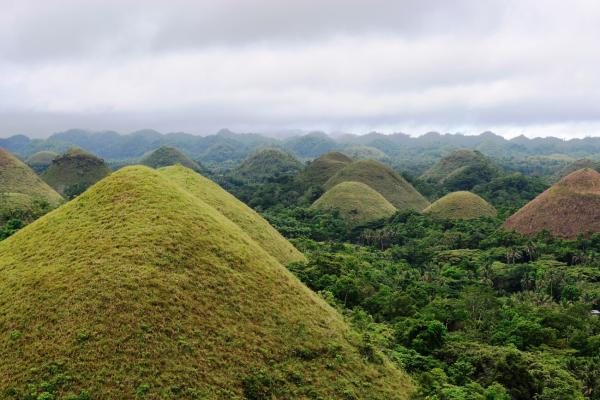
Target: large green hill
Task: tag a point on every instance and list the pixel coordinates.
(356, 203)
(165, 156)
(23, 194)
(268, 163)
(74, 171)
(382, 179)
(252, 223)
(460, 205)
(138, 289)
(321, 169)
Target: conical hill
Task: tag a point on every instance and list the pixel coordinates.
(382, 179)
(253, 224)
(460, 205)
(165, 156)
(74, 171)
(567, 209)
(324, 167)
(138, 289)
(23, 194)
(356, 203)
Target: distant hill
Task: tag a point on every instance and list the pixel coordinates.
(23, 194)
(311, 145)
(165, 156)
(461, 170)
(246, 218)
(575, 166)
(460, 205)
(383, 180)
(359, 152)
(569, 208)
(74, 171)
(139, 289)
(268, 163)
(319, 170)
(40, 161)
(356, 202)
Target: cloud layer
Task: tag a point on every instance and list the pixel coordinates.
(510, 66)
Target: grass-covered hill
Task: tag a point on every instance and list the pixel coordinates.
(23, 194)
(40, 161)
(567, 209)
(165, 156)
(139, 289)
(575, 166)
(319, 170)
(460, 205)
(74, 171)
(246, 218)
(461, 170)
(382, 179)
(356, 202)
(267, 164)
(359, 152)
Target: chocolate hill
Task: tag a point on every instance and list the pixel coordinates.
(138, 288)
(567, 209)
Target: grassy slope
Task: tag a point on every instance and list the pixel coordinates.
(165, 156)
(16, 177)
(461, 205)
(75, 167)
(268, 163)
(567, 209)
(136, 286)
(252, 223)
(356, 202)
(323, 168)
(382, 179)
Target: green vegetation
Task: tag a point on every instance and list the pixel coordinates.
(356, 203)
(268, 164)
(569, 208)
(460, 205)
(461, 170)
(382, 179)
(358, 152)
(137, 288)
(469, 310)
(40, 161)
(511, 191)
(74, 171)
(165, 156)
(236, 211)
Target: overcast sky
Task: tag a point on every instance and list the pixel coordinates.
(514, 67)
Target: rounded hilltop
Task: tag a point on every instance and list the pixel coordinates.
(567, 209)
(40, 161)
(460, 205)
(74, 171)
(166, 155)
(319, 170)
(356, 202)
(384, 180)
(461, 170)
(268, 163)
(168, 296)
